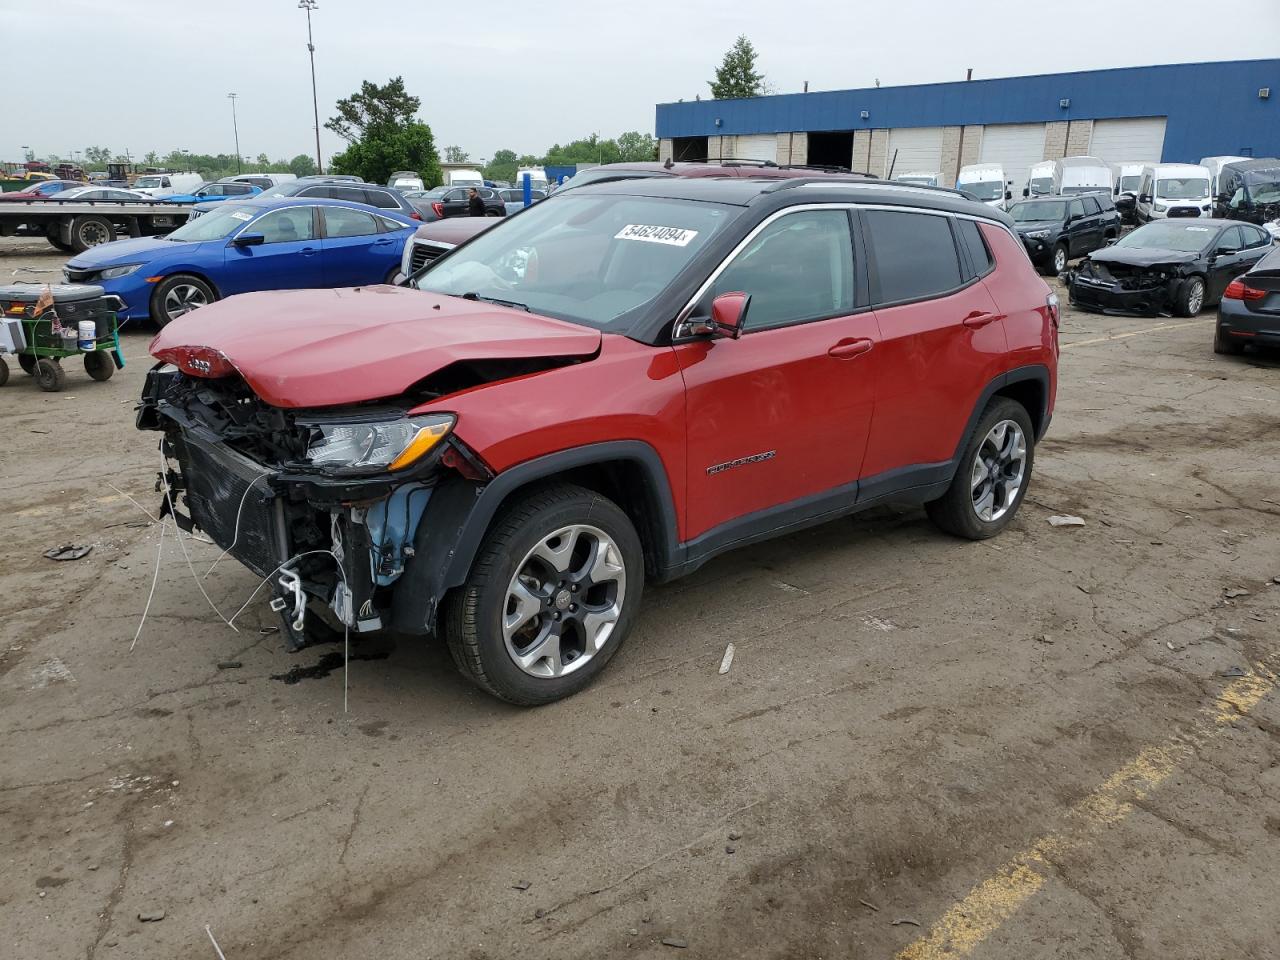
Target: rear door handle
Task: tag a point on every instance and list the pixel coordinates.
(382, 242)
(979, 319)
(307, 251)
(848, 349)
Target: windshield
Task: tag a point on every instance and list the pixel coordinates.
(589, 259)
(222, 222)
(1183, 188)
(984, 189)
(1039, 210)
(1130, 184)
(1264, 186)
(1167, 235)
(1041, 185)
(602, 175)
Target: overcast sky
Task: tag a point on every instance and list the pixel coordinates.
(152, 75)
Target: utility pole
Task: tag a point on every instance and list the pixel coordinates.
(309, 5)
(235, 127)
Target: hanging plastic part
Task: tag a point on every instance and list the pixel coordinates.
(291, 589)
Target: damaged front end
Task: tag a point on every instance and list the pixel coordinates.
(323, 504)
(1147, 289)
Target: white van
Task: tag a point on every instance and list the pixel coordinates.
(1173, 190)
(405, 180)
(987, 182)
(1040, 180)
(168, 184)
(1081, 175)
(1214, 165)
(537, 177)
(920, 178)
(463, 178)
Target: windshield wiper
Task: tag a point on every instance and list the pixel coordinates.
(472, 295)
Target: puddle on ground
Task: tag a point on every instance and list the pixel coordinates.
(333, 661)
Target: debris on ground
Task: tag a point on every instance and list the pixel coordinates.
(229, 664)
(735, 835)
(521, 885)
(1234, 592)
(151, 916)
(869, 905)
(1066, 520)
(674, 942)
(68, 551)
(539, 913)
(633, 932)
(1044, 638)
(1232, 673)
(727, 660)
(901, 920)
(730, 848)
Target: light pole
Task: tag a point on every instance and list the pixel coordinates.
(309, 5)
(235, 127)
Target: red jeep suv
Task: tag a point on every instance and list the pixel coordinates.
(613, 387)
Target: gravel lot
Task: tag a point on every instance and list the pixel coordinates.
(1060, 743)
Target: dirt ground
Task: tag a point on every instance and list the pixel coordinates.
(1061, 743)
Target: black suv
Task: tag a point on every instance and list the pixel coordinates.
(453, 202)
(1057, 229)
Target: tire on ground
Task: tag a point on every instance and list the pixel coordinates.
(50, 376)
(954, 511)
(99, 365)
(472, 617)
(1190, 299)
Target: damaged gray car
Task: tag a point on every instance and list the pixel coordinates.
(1167, 267)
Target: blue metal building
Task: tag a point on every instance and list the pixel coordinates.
(1175, 113)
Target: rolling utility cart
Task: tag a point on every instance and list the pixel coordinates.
(80, 320)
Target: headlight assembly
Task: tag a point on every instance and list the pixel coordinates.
(377, 445)
(1038, 234)
(1161, 208)
(111, 273)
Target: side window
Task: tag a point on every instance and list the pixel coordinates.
(1255, 237)
(1231, 239)
(165, 182)
(971, 239)
(1091, 205)
(1076, 209)
(345, 222)
(354, 194)
(389, 226)
(285, 226)
(800, 267)
(380, 198)
(914, 255)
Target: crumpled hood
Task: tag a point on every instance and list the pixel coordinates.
(320, 348)
(1135, 257)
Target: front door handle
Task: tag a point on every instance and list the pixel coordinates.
(307, 251)
(978, 319)
(848, 349)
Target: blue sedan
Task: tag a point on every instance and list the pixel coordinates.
(242, 246)
(213, 192)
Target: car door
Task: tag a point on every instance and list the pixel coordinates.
(1230, 259)
(356, 250)
(942, 341)
(1092, 234)
(287, 258)
(778, 418)
(1077, 229)
(455, 203)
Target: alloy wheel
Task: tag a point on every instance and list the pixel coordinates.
(564, 601)
(1195, 297)
(999, 468)
(1059, 260)
(184, 298)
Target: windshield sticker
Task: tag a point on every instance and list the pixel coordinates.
(1198, 229)
(242, 215)
(672, 236)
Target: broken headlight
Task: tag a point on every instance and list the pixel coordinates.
(377, 445)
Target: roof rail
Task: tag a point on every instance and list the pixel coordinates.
(861, 179)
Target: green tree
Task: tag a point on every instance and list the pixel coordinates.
(456, 155)
(29, 155)
(737, 77)
(502, 166)
(97, 156)
(384, 135)
(634, 146)
(590, 149)
(302, 165)
(151, 159)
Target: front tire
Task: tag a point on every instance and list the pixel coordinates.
(992, 476)
(178, 295)
(551, 597)
(50, 377)
(1059, 258)
(1190, 297)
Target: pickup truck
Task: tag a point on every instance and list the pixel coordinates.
(74, 226)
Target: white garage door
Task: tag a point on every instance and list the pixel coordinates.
(1015, 146)
(1124, 141)
(919, 150)
(756, 147)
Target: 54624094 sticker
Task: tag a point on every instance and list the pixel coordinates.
(650, 233)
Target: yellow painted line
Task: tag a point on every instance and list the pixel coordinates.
(1136, 333)
(988, 905)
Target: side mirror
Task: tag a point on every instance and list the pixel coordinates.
(728, 311)
(249, 240)
(1144, 198)
(1026, 192)
(1008, 194)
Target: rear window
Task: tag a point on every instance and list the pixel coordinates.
(975, 246)
(913, 255)
(380, 198)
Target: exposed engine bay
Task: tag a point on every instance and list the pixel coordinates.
(1128, 288)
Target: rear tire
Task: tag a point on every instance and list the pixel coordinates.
(99, 365)
(1223, 344)
(50, 376)
(992, 475)
(55, 240)
(561, 570)
(4, 372)
(1190, 297)
(91, 231)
